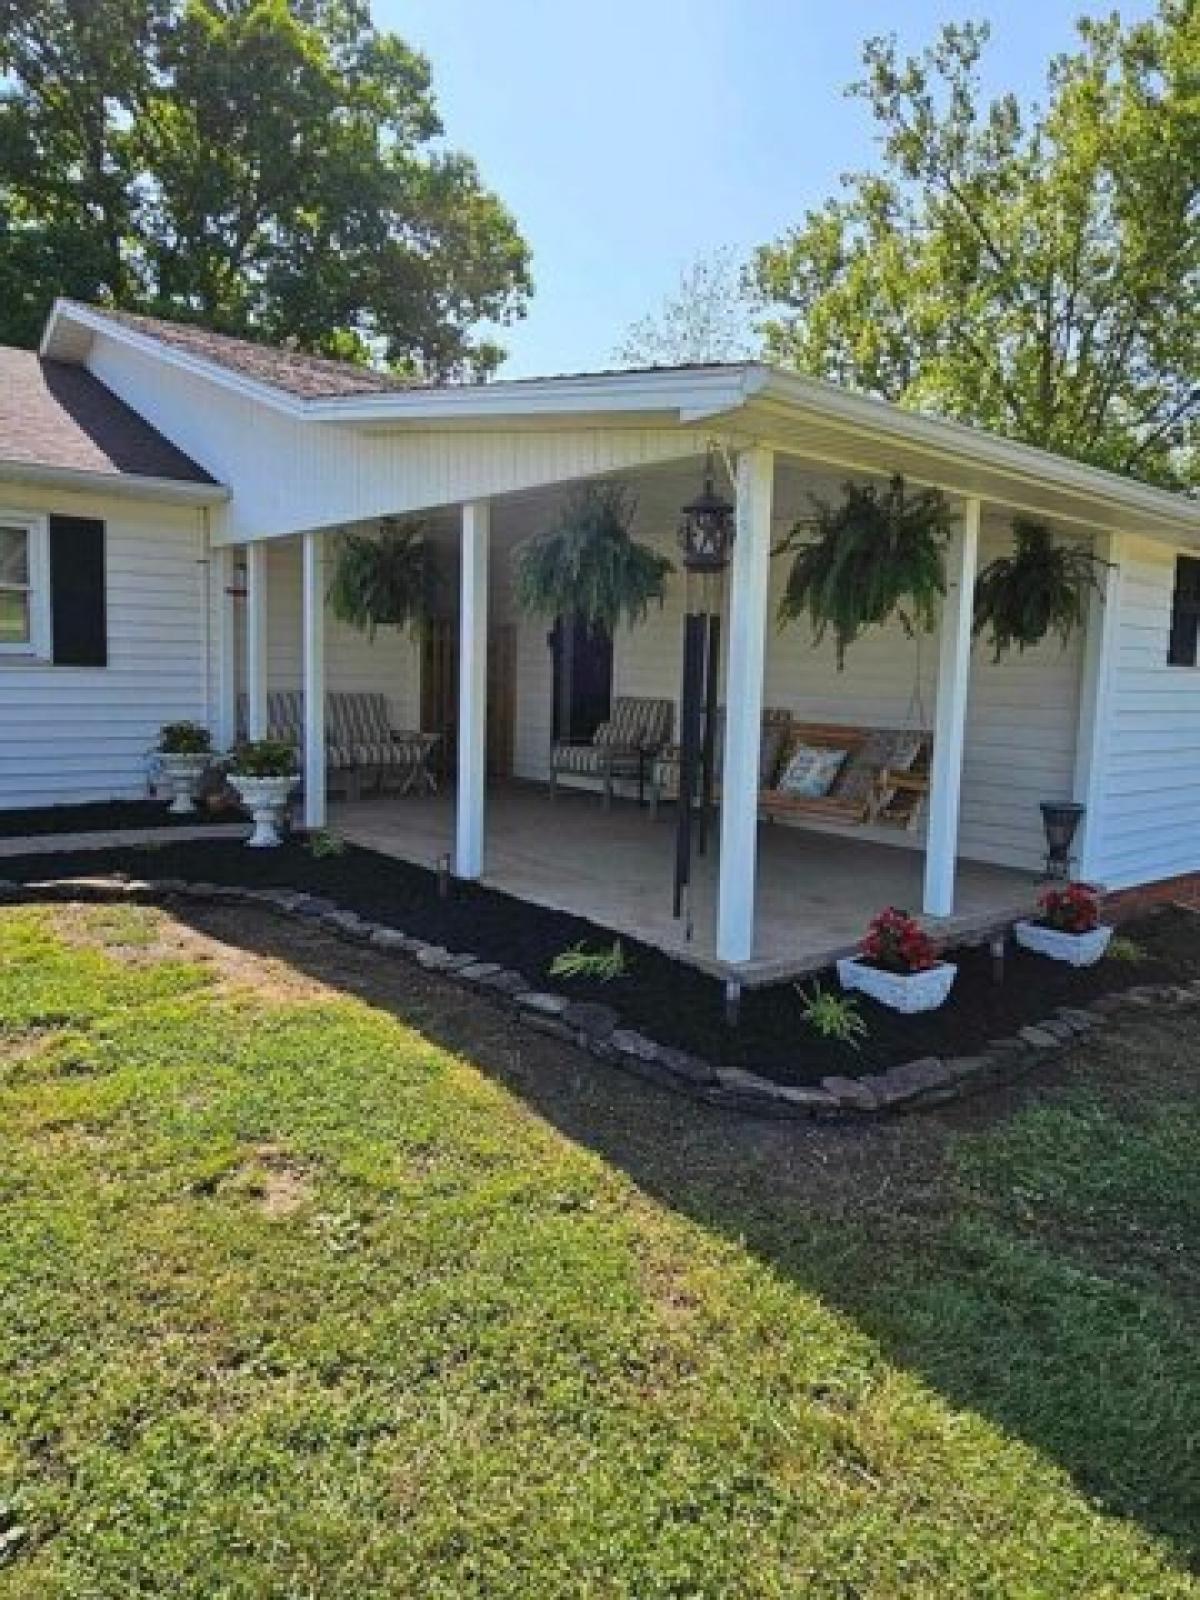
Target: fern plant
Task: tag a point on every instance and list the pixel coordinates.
(390, 581)
(580, 962)
(879, 553)
(1041, 588)
(587, 562)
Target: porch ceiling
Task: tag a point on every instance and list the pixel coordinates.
(817, 891)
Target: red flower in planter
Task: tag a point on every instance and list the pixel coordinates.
(898, 943)
(1075, 908)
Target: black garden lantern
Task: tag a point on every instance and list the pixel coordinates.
(706, 528)
(1060, 820)
(706, 533)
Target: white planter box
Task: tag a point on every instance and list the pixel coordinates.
(264, 799)
(1079, 949)
(181, 774)
(902, 991)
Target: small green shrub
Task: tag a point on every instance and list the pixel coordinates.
(833, 1016)
(579, 962)
(1122, 948)
(264, 758)
(323, 844)
(184, 739)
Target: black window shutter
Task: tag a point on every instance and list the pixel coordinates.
(77, 599)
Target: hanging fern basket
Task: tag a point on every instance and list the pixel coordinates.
(587, 563)
(1042, 588)
(878, 554)
(390, 581)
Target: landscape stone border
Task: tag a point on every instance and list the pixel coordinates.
(597, 1028)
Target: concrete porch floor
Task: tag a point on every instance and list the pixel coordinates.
(816, 891)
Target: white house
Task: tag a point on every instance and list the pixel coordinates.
(170, 498)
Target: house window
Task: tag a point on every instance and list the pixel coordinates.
(1185, 613)
(24, 587)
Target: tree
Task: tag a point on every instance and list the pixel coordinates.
(706, 319)
(268, 167)
(1033, 271)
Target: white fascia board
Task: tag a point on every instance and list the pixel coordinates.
(126, 486)
(619, 396)
(668, 392)
(803, 399)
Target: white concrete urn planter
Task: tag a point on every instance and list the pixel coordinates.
(901, 991)
(182, 771)
(265, 800)
(1078, 949)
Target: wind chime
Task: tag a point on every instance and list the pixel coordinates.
(706, 533)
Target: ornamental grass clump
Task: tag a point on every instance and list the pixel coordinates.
(1074, 908)
(896, 942)
(879, 554)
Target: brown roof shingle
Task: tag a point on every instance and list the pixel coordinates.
(56, 415)
(305, 376)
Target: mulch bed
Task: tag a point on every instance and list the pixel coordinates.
(104, 816)
(672, 1003)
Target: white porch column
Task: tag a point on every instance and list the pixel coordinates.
(1091, 739)
(314, 680)
(950, 719)
(256, 640)
(224, 606)
(472, 688)
(745, 655)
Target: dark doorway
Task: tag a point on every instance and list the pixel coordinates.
(583, 658)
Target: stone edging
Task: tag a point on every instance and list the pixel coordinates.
(597, 1028)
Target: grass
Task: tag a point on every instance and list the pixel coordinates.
(296, 1301)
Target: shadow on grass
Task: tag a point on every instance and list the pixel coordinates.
(1030, 1255)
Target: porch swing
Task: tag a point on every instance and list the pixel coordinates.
(882, 778)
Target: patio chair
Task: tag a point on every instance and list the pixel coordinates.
(620, 748)
(361, 725)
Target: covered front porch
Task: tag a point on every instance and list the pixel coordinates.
(816, 891)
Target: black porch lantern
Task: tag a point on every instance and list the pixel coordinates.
(706, 528)
(706, 533)
(1060, 820)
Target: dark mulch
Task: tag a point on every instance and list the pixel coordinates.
(102, 816)
(673, 1003)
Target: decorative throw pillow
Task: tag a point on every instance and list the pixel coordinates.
(810, 771)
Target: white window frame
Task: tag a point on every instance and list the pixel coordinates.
(39, 646)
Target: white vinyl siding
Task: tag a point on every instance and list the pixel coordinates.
(1149, 823)
(82, 733)
(390, 664)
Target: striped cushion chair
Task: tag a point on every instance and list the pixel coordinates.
(637, 728)
(362, 725)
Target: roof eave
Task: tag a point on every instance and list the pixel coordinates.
(959, 444)
(123, 485)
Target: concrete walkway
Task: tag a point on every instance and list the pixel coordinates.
(816, 891)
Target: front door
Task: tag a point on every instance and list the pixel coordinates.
(583, 663)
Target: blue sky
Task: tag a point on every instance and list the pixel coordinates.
(629, 136)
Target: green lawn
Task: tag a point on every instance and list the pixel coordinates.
(295, 1300)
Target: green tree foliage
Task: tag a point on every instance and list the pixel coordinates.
(1036, 271)
(271, 167)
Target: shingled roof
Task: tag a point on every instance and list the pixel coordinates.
(57, 416)
(305, 376)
